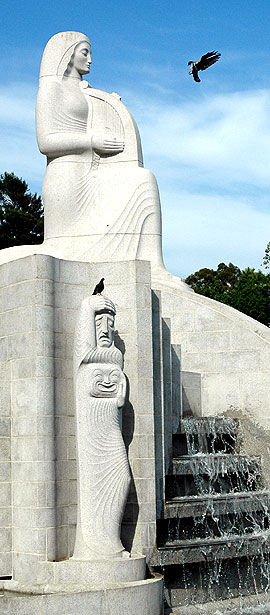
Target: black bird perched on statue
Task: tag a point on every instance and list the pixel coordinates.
(207, 60)
(99, 287)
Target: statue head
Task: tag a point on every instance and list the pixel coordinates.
(94, 335)
(105, 380)
(104, 325)
(66, 54)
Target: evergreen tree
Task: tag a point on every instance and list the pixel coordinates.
(21, 213)
(248, 291)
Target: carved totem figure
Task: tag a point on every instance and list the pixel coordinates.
(103, 469)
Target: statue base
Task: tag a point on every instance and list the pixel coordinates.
(136, 598)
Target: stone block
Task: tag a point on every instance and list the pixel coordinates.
(45, 396)
(64, 426)
(33, 496)
(143, 468)
(45, 267)
(208, 341)
(72, 452)
(4, 398)
(29, 540)
(22, 368)
(143, 296)
(48, 292)
(144, 424)
(21, 345)
(49, 493)
(200, 361)
(5, 470)
(62, 492)
(5, 494)
(145, 490)
(4, 426)
(208, 320)
(33, 517)
(239, 361)
(21, 294)
(44, 367)
(19, 271)
(66, 469)
(72, 272)
(4, 449)
(30, 448)
(58, 346)
(62, 542)
(24, 397)
(72, 491)
(65, 320)
(183, 321)
(11, 321)
(34, 471)
(69, 296)
(5, 540)
(5, 570)
(5, 517)
(4, 366)
(43, 318)
(220, 392)
(115, 273)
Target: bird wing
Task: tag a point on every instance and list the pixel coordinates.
(207, 60)
(195, 74)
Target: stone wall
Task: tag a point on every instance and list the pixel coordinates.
(225, 362)
(41, 296)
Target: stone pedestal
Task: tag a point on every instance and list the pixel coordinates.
(40, 299)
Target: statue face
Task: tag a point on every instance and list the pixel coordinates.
(82, 58)
(104, 329)
(105, 380)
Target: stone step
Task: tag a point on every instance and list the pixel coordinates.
(207, 434)
(209, 425)
(216, 504)
(215, 464)
(201, 550)
(210, 474)
(210, 526)
(232, 582)
(204, 443)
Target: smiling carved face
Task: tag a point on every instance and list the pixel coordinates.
(105, 380)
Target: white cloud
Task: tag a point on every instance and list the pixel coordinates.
(19, 152)
(201, 230)
(220, 139)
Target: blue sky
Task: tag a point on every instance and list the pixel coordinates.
(208, 144)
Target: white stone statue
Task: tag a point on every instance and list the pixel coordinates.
(103, 469)
(100, 204)
(95, 190)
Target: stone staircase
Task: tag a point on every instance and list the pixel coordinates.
(213, 540)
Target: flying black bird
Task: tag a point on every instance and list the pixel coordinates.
(207, 60)
(99, 287)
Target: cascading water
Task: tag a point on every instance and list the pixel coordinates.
(214, 539)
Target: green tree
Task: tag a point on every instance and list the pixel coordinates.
(248, 291)
(21, 213)
(266, 258)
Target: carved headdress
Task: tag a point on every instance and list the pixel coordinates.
(58, 52)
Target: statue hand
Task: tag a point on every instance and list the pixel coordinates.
(107, 145)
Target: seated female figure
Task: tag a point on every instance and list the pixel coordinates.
(100, 203)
